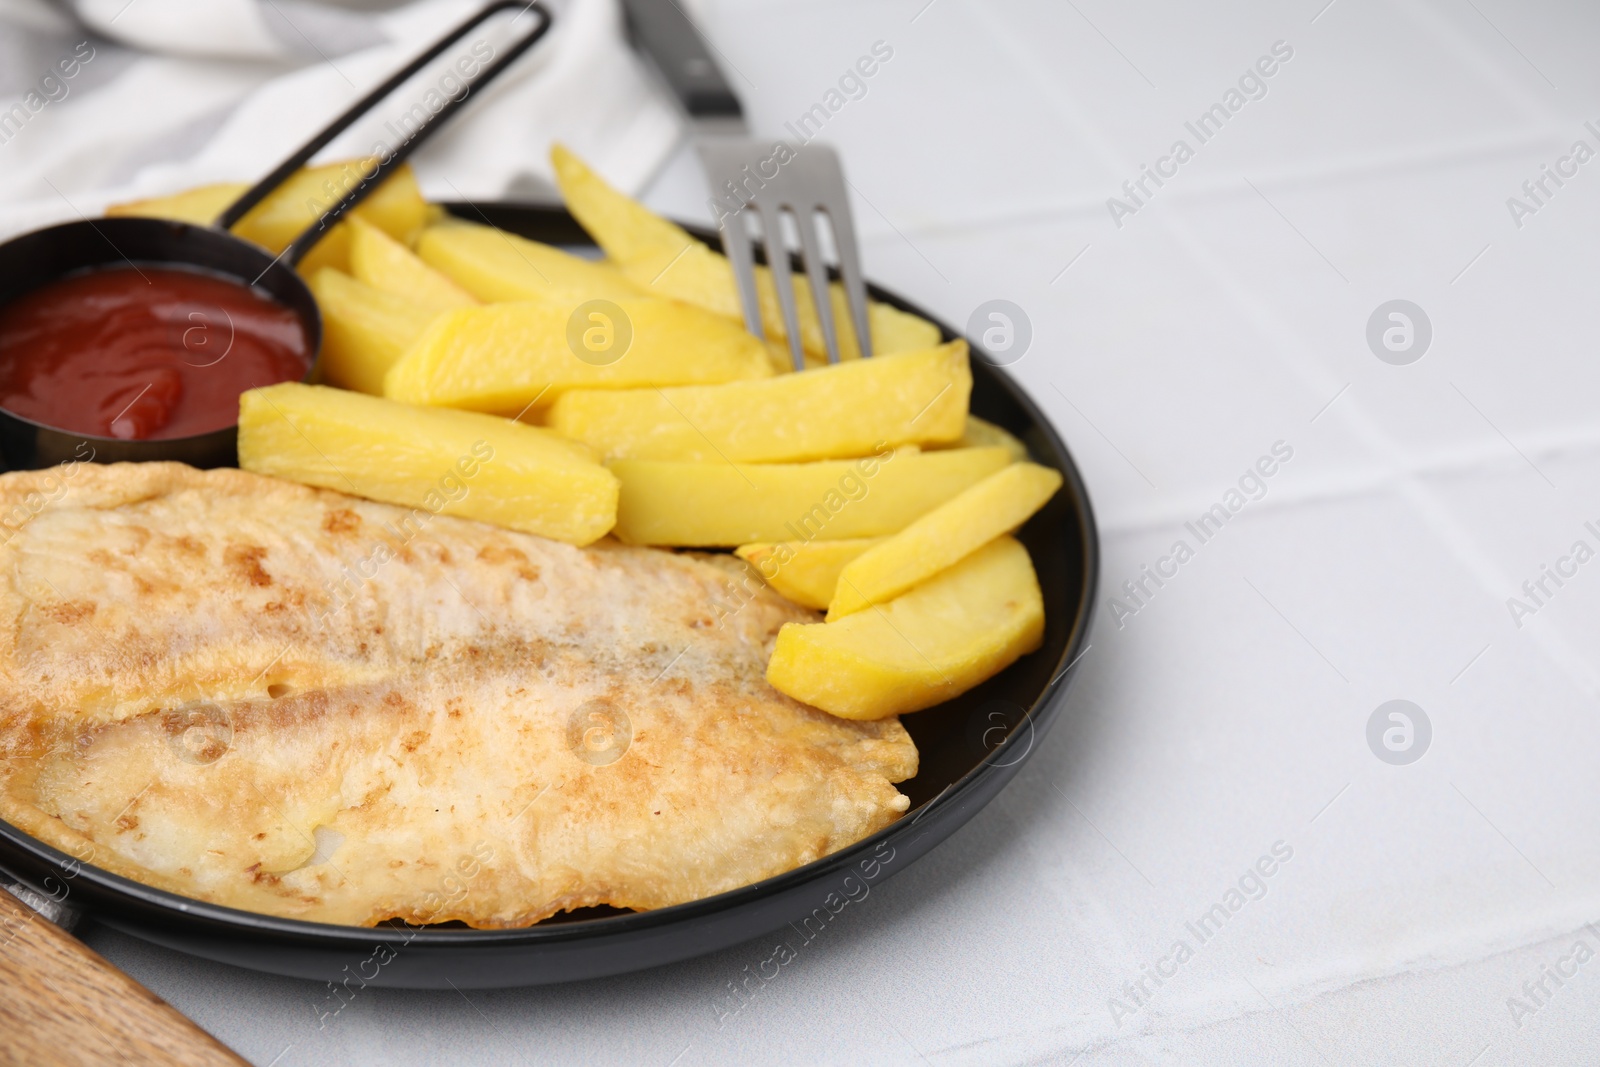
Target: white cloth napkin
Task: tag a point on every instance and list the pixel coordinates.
(109, 100)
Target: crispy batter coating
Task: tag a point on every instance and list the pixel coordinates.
(292, 701)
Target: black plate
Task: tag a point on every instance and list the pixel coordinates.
(970, 748)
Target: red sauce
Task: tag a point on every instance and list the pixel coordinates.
(147, 353)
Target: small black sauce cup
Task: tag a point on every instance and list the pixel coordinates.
(36, 259)
(49, 255)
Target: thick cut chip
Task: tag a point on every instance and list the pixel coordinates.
(921, 649)
(726, 505)
(200, 205)
(496, 267)
(384, 263)
(296, 702)
(831, 412)
(365, 331)
(980, 433)
(627, 230)
(396, 207)
(506, 358)
(950, 532)
(664, 257)
(443, 462)
(804, 571)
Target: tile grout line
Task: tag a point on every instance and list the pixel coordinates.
(1486, 457)
(1207, 189)
(1308, 368)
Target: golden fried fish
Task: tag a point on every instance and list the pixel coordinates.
(292, 701)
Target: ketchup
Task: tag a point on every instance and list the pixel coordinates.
(144, 353)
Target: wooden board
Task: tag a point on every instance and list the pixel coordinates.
(62, 1003)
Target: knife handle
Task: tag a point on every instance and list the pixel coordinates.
(662, 31)
(63, 1003)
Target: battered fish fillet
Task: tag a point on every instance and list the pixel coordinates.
(296, 702)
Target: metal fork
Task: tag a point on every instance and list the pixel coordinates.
(777, 179)
(811, 183)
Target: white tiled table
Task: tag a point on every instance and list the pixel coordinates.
(1230, 713)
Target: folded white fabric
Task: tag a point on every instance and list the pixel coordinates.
(108, 100)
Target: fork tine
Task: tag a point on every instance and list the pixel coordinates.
(805, 219)
(736, 244)
(810, 176)
(851, 275)
(782, 276)
(824, 175)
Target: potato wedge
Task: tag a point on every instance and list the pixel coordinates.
(395, 207)
(921, 649)
(200, 205)
(831, 412)
(980, 433)
(431, 459)
(664, 257)
(631, 230)
(723, 505)
(384, 263)
(804, 571)
(944, 536)
(496, 266)
(365, 331)
(503, 358)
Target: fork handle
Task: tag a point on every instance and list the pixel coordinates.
(664, 33)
